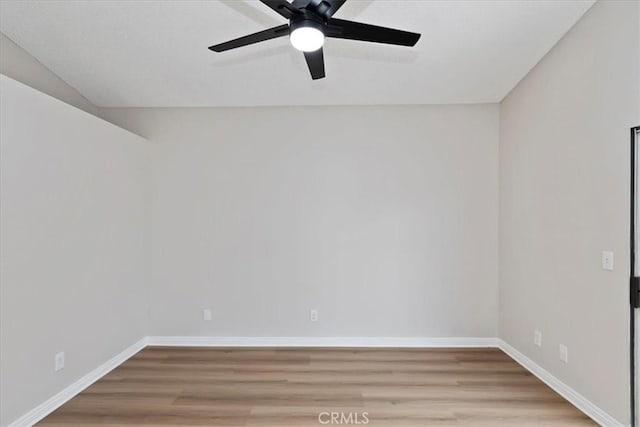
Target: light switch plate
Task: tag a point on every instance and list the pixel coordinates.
(607, 260)
(206, 314)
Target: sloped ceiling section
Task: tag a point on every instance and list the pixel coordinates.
(154, 53)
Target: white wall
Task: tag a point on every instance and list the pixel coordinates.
(564, 191)
(74, 243)
(382, 218)
(18, 64)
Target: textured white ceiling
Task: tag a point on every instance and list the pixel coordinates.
(145, 53)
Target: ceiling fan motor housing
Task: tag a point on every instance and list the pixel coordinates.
(308, 20)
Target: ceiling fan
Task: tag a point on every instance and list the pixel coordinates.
(310, 21)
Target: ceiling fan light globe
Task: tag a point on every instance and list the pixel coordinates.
(307, 39)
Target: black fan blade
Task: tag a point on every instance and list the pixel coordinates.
(342, 29)
(315, 61)
(282, 7)
(325, 8)
(261, 36)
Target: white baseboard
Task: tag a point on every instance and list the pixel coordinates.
(578, 400)
(199, 341)
(59, 399)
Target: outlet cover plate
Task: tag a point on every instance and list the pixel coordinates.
(564, 353)
(58, 361)
(607, 260)
(537, 338)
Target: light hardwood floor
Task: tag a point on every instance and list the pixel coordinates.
(163, 386)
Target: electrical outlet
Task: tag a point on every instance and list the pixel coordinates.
(314, 315)
(58, 361)
(564, 353)
(537, 338)
(607, 260)
(206, 314)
